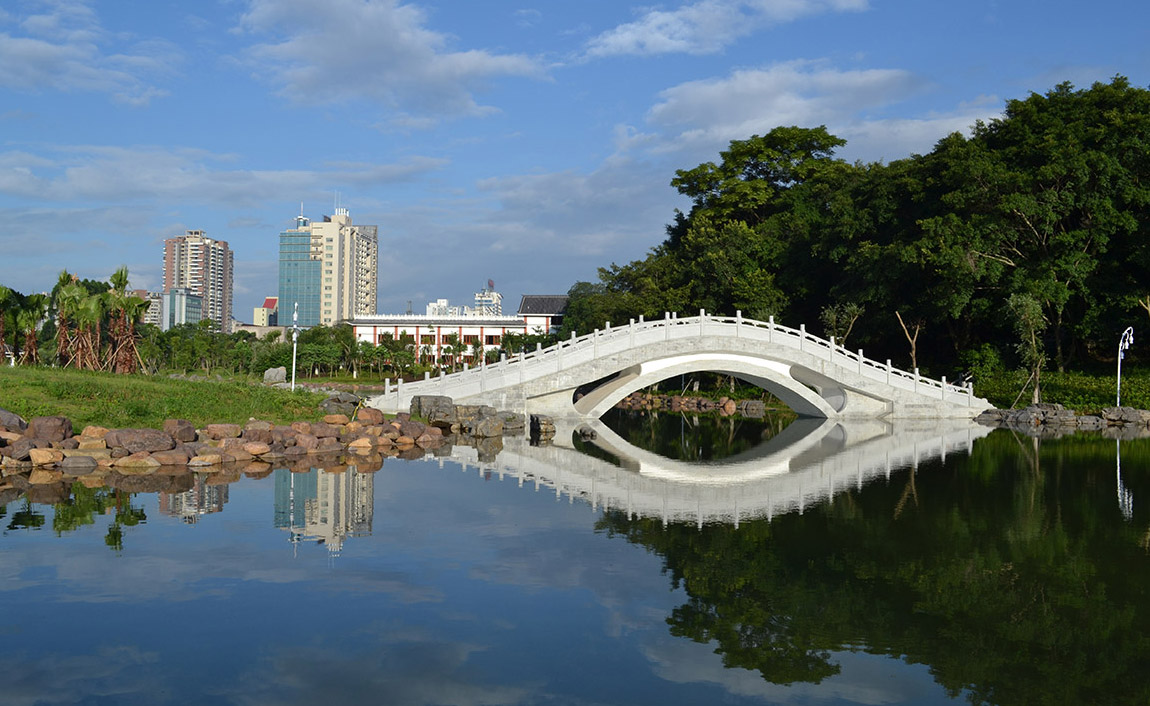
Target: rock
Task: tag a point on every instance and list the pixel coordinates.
(206, 460)
(487, 427)
(438, 410)
(18, 450)
(137, 440)
(175, 457)
(139, 461)
(12, 422)
(45, 457)
(77, 465)
(274, 375)
(369, 415)
(336, 405)
(256, 448)
(363, 442)
(94, 432)
(411, 428)
(180, 429)
(88, 443)
(336, 419)
(223, 431)
(49, 428)
(323, 430)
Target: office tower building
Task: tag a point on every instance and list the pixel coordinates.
(328, 268)
(204, 267)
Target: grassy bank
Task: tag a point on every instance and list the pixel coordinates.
(1085, 393)
(142, 401)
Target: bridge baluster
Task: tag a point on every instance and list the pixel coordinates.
(860, 361)
(802, 335)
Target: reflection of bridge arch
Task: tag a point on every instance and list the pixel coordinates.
(813, 376)
(807, 463)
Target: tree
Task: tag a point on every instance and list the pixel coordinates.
(28, 321)
(1029, 324)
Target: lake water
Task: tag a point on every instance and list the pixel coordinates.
(824, 564)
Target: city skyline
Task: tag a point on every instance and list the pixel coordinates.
(528, 145)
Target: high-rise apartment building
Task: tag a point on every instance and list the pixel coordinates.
(329, 269)
(204, 267)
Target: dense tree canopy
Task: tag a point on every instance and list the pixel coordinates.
(1049, 202)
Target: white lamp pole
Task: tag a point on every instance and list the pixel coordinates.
(294, 339)
(1123, 344)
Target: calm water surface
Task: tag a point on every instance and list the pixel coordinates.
(988, 570)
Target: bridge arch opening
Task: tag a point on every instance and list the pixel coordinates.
(804, 391)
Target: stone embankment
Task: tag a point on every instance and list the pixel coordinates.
(1054, 420)
(724, 406)
(47, 450)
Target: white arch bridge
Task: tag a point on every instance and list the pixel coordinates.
(813, 376)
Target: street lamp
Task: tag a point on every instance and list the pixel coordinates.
(1123, 344)
(294, 340)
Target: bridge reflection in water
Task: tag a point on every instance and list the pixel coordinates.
(807, 463)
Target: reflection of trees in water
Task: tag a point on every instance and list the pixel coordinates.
(80, 509)
(693, 437)
(1013, 576)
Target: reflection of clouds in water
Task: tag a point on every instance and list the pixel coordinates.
(863, 679)
(121, 675)
(406, 667)
(186, 575)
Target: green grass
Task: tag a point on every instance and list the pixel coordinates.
(117, 401)
(1085, 393)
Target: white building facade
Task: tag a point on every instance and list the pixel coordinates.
(430, 336)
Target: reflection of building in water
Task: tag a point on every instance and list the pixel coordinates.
(201, 499)
(324, 507)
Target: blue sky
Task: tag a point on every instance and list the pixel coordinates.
(528, 143)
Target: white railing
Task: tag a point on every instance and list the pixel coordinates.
(525, 367)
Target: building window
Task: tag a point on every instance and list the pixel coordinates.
(492, 340)
(427, 338)
(470, 339)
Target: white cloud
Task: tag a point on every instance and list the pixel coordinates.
(124, 174)
(65, 48)
(346, 50)
(706, 26)
(701, 117)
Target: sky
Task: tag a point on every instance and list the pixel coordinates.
(524, 142)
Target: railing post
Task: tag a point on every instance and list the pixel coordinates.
(888, 371)
(738, 321)
(538, 346)
(802, 335)
(916, 379)
(631, 334)
(702, 320)
(595, 343)
(640, 318)
(386, 386)
(666, 325)
(943, 397)
(427, 375)
(860, 361)
(771, 328)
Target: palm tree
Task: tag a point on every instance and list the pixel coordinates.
(89, 315)
(123, 310)
(28, 320)
(69, 294)
(5, 303)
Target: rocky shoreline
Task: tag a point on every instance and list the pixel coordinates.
(46, 450)
(1053, 421)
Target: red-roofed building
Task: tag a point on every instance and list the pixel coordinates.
(268, 314)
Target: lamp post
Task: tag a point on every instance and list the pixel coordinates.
(1123, 344)
(294, 340)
